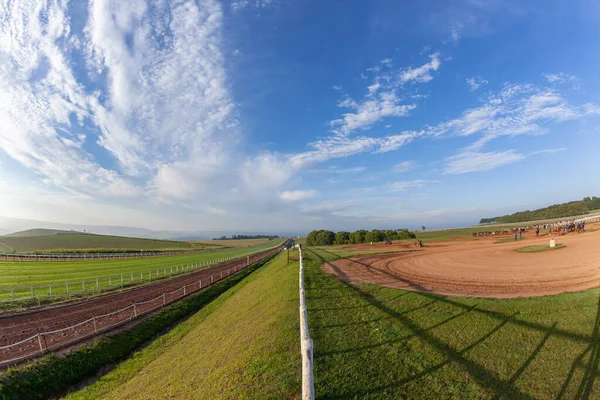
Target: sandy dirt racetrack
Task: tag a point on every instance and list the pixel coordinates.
(482, 268)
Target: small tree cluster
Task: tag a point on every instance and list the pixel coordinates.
(325, 237)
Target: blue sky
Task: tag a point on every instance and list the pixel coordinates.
(275, 115)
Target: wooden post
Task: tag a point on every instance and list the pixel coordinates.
(40, 342)
(95, 327)
(67, 285)
(97, 285)
(134, 311)
(50, 289)
(164, 300)
(288, 256)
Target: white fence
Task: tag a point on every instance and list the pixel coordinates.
(94, 285)
(43, 342)
(306, 343)
(41, 256)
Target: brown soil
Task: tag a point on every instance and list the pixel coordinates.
(482, 268)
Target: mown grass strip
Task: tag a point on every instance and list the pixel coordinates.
(538, 248)
(379, 343)
(52, 375)
(244, 345)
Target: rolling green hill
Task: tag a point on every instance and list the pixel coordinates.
(70, 241)
(39, 232)
(570, 209)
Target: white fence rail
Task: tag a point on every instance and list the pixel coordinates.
(41, 256)
(306, 343)
(98, 284)
(43, 342)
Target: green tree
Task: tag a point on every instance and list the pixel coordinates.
(375, 236)
(405, 234)
(391, 234)
(325, 238)
(342, 237)
(358, 236)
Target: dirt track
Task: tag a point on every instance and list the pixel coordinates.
(18, 327)
(482, 268)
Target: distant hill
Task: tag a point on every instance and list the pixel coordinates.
(69, 241)
(40, 232)
(570, 209)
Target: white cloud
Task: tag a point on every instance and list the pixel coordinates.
(561, 77)
(516, 110)
(342, 146)
(403, 185)
(297, 195)
(475, 82)
(549, 151)
(336, 170)
(373, 109)
(422, 74)
(473, 161)
(404, 166)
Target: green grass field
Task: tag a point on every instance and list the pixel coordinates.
(24, 274)
(232, 243)
(378, 343)
(538, 248)
(244, 345)
(86, 241)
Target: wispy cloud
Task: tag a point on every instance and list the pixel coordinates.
(342, 146)
(403, 185)
(382, 99)
(561, 77)
(423, 73)
(297, 195)
(369, 111)
(515, 110)
(404, 166)
(473, 161)
(548, 151)
(475, 82)
(336, 170)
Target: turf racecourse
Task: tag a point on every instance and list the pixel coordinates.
(24, 274)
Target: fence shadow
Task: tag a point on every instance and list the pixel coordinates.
(500, 387)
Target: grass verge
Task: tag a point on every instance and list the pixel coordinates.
(379, 343)
(52, 375)
(244, 345)
(538, 248)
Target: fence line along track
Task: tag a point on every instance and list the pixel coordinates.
(47, 341)
(99, 284)
(306, 343)
(44, 256)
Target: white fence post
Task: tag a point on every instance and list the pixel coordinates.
(306, 343)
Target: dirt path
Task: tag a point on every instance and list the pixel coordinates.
(483, 268)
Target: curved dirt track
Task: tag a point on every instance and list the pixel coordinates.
(17, 327)
(483, 268)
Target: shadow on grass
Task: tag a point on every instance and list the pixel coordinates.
(501, 388)
(590, 369)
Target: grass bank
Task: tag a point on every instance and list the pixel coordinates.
(51, 375)
(379, 343)
(244, 345)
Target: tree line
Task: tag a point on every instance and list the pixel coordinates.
(570, 209)
(238, 237)
(325, 237)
